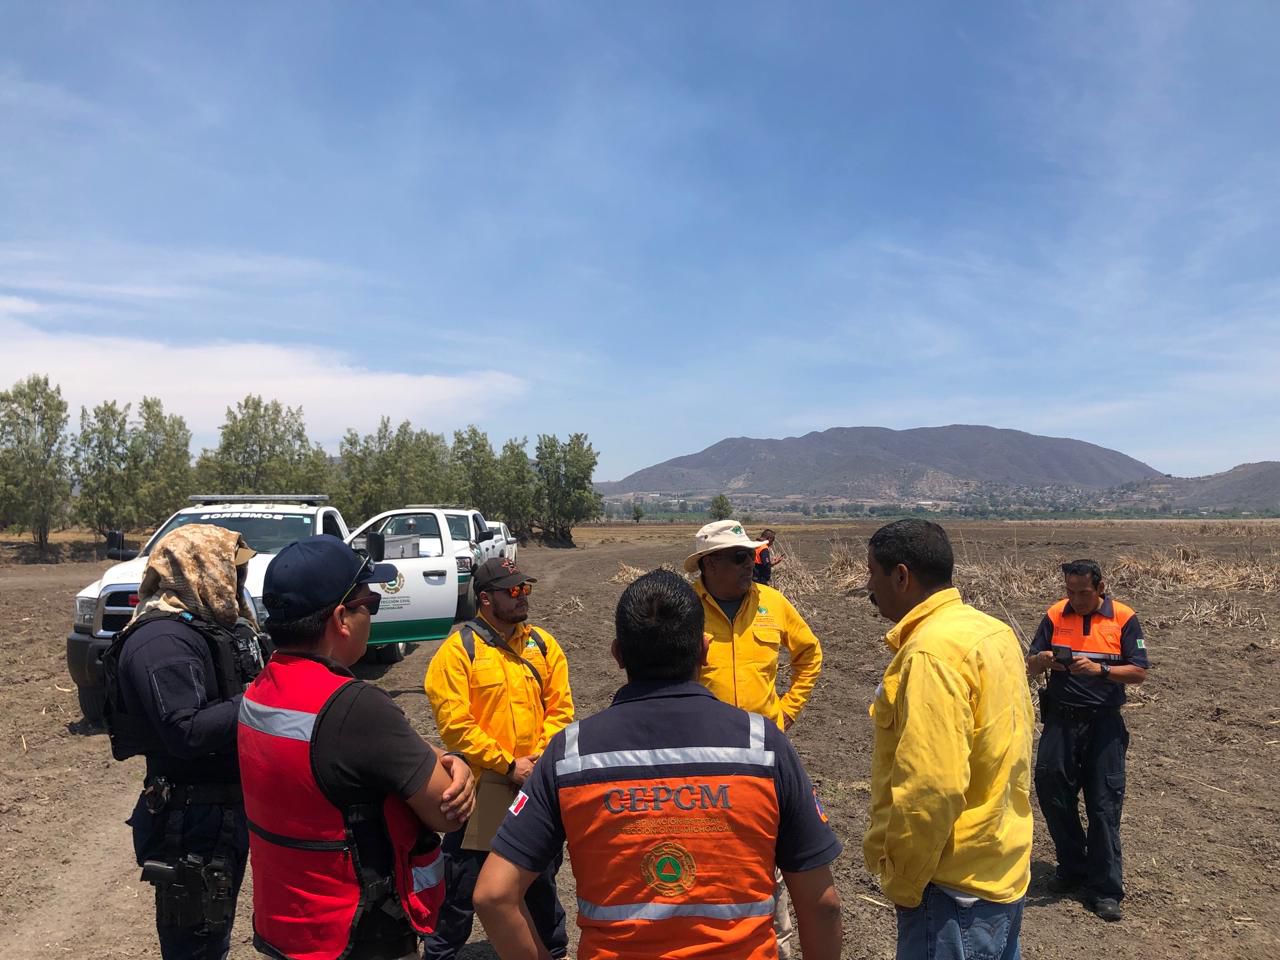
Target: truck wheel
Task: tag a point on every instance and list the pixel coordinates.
(467, 604)
(392, 652)
(93, 701)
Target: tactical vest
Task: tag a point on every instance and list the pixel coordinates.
(310, 887)
(238, 656)
(681, 846)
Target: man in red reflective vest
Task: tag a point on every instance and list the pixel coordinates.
(344, 799)
(676, 808)
(1093, 647)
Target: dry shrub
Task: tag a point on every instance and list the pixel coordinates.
(627, 574)
(1185, 567)
(568, 605)
(1220, 611)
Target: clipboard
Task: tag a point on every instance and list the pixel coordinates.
(494, 794)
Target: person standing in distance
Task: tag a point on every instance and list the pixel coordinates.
(767, 558)
(1084, 742)
(499, 689)
(677, 809)
(344, 799)
(949, 833)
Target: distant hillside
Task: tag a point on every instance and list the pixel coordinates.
(1250, 486)
(874, 463)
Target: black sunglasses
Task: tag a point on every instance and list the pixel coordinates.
(737, 558)
(373, 601)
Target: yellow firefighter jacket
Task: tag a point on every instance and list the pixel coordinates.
(951, 765)
(742, 659)
(495, 708)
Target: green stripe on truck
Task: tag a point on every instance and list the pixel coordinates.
(409, 631)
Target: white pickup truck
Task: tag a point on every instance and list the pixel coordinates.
(441, 532)
(417, 606)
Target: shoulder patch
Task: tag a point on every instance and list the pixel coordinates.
(518, 803)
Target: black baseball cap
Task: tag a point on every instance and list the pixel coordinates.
(317, 572)
(500, 572)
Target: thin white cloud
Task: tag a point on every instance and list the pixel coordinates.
(199, 380)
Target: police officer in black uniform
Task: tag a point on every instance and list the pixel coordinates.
(175, 679)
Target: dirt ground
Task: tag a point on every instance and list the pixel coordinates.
(1201, 818)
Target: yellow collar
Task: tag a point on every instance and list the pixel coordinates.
(920, 612)
(518, 635)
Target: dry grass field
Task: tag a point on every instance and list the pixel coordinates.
(1202, 813)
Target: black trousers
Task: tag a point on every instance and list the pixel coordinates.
(1084, 750)
(201, 827)
(462, 867)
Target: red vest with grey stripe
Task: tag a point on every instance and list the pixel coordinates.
(309, 890)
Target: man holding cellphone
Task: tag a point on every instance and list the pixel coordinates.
(1092, 647)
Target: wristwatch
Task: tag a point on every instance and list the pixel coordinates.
(1106, 671)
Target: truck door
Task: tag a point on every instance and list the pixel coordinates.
(418, 605)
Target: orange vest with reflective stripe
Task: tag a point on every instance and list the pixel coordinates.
(1102, 642)
(677, 849)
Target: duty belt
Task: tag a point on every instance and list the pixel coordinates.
(1068, 712)
(160, 793)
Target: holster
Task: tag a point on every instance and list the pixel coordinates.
(191, 890)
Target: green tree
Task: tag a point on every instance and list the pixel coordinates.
(160, 449)
(35, 478)
(105, 469)
(475, 470)
(384, 469)
(721, 508)
(517, 488)
(566, 494)
(637, 512)
(263, 449)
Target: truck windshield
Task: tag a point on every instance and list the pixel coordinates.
(265, 531)
(459, 527)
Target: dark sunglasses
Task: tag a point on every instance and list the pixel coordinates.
(372, 602)
(737, 558)
(521, 590)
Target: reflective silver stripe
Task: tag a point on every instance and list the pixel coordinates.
(277, 721)
(668, 911)
(752, 755)
(667, 756)
(428, 876)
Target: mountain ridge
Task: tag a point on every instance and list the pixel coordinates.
(964, 464)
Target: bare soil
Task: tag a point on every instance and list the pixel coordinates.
(1202, 816)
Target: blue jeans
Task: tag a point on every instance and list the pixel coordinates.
(942, 928)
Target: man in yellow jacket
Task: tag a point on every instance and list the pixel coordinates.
(950, 826)
(748, 624)
(499, 689)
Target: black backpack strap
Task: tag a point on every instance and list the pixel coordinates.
(537, 639)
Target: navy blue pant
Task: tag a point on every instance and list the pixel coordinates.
(1084, 750)
(201, 825)
(462, 868)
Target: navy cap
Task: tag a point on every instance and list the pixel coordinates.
(309, 575)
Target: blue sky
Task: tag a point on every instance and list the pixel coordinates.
(661, 224)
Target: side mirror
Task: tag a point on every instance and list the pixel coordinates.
(376, 544)
(115, 547)
(487, 535)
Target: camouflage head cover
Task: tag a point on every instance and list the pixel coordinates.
(200, 569)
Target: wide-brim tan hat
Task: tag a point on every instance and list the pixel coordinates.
(720, 535)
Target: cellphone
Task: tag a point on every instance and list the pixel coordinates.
(1063, 654)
